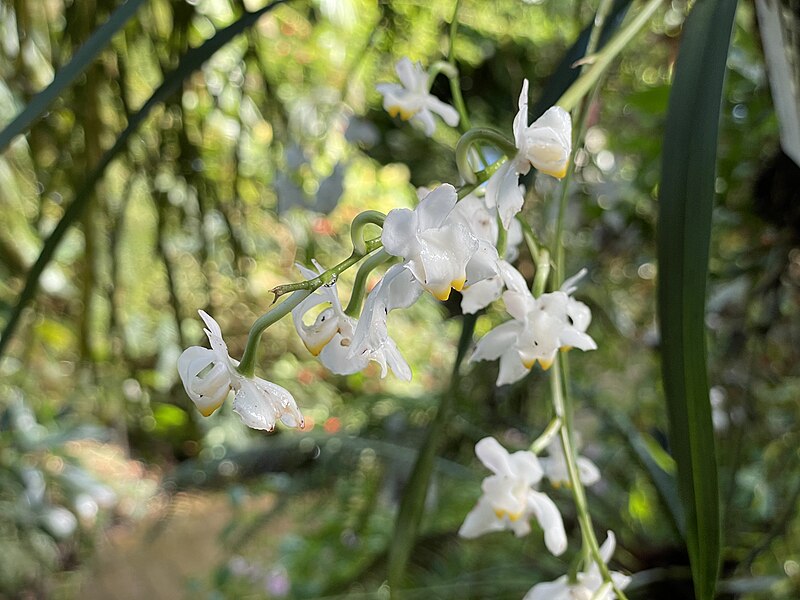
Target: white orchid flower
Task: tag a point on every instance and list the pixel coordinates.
(545, 144)
(412, 100)
(540, 327)
(555, 466)
(481, 220)
(435, 247)
(331, 335)
(209, 374)
(509, 500)
(397, 289)
(589, 584)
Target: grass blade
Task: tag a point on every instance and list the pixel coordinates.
(79, 63)
(685, 203)
(189, 63)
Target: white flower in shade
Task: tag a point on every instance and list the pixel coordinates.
(331, 335)
(412, 100)
(555, 466)
(545, 144)
(209, 374)
(589, 584)
(481, 220)
(540, 328)
(397, 289)
(509, 500)
(435, 247)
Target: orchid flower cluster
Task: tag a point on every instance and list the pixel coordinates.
(463, 239)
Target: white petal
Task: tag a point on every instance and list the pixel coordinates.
(509, 198)
(513, 279)
(588, 471)
(575, 339)
(209, 391)
(525, 467)
(396, 362)
(448, 113)
(481, 519)
(521, 118)
(336, 358)
(481, 294)
(261, 403)
(496, 182)
(434, 208)
(519, 304)
(608, 547)
(477, 217)
(579, 314)
(401, 287)
(411, 75)
(492, 454)
(511, 368)
(497, 341)
(214, 334)
(571, 283)
(399, 234)
(425, 120)
(551, 590)
(546, 512)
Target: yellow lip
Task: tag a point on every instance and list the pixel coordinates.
(529, 363)
(499, 513)
(441, 294)
(398, 111)
(208, 411)
(560, 174)
(546, 364)
(458, 284)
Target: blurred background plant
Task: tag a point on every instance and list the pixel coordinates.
(111, 483)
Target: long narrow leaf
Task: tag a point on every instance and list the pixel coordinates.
(686, 197)
(189, 63)
(79, 63)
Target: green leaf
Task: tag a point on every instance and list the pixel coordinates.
(686, 196)
(79, 63)
(189, 63)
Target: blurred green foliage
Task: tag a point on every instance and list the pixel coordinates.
(262, 160)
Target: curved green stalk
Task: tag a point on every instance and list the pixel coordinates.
(247, 366)
(474, 136)
(361, 220)
(360, 284)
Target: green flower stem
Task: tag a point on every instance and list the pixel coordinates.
(329, 276)
(543, 440)
(476, 135)
(455, 85)
(357, 228)
(447, 69)
(502, 237)
(579, 96)
(540, 256)
(360, 284)
(563, 409)
(247, 366)
(601, 61)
